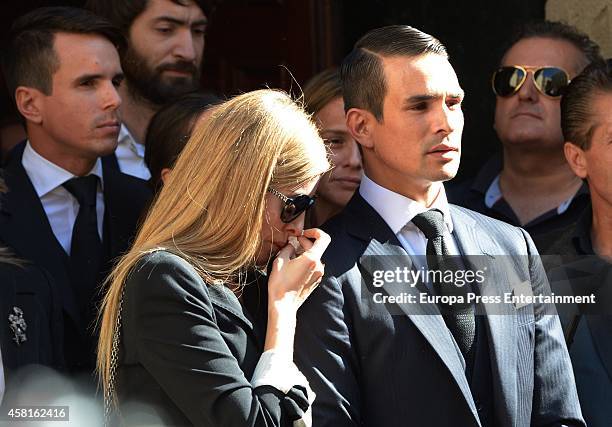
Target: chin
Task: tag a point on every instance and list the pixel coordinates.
(448, 171)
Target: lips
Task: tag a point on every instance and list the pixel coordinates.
(348, 180)
(442, 148)
(109, 124)
(526, 114)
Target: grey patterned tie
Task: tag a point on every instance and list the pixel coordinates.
(459, 318)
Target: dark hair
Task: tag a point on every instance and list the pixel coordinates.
(169, 130)
(576, 105)
(321, 89)
(362, 73)
(123, 12)
(30, 58)
(558, 31)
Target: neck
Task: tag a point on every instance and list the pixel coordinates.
(601, 230)
(60, 156)
(421, 191)
(136, 113)
(536, 171)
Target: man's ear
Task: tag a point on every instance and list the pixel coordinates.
(360, 123)
(29, 103)
(165, 174)
(576, 159)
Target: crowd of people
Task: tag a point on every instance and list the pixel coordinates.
(186, 259)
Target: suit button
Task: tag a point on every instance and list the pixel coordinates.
(479, 406)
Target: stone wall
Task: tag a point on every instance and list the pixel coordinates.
(594, 17)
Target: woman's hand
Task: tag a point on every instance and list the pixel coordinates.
(293, 277)
(291, 281)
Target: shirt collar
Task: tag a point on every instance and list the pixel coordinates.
(47, 176)
(494, 195)
(126, 139)
(397, 210)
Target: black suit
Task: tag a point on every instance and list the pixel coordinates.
(29, 289)
(24, 227)
(189, 351)
(587, 327)
(396, 364)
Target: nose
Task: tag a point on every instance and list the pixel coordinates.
(184, 45)
(295, 227)
(111, 98)
(447, 120)
(528, 91)
(354, 158)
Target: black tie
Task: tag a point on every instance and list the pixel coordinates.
(459, 318)
(86, 247)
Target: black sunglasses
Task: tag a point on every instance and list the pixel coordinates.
(550, 81)
(294, 206)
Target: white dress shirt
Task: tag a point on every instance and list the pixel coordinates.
(60, 206)
(397, 211)
(130, 155)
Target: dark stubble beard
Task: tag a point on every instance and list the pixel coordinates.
(149, 83)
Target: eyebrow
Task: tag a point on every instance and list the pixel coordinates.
(176, 21)
(86, 77)
(333, 131)
(431, 97)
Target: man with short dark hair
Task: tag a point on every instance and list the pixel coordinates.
(531, 185)
(63, 210)
(162, 62)
(586, 248)
(386, 339)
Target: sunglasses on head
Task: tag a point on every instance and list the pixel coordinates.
(550, 81)
(294, 206)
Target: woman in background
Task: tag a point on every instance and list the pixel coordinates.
(169, 130)
(323, 99)
(176, 334)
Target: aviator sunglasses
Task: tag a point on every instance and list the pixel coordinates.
(294, 206)
(550, 81)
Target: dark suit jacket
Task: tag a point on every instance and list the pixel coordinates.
(588, 329)
(396, 364)
(189, 351)
(31, 290)
(24, 227)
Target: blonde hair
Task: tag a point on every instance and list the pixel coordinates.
(211, 209)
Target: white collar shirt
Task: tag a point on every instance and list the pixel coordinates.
(130, 155)
(60, 206)
(397, 211)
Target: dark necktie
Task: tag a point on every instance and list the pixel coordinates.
(459, 318)
(86, 247)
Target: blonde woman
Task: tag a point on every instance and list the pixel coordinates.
(323, 99)
(188, 344)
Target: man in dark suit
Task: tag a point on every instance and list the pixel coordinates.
(63, 211)
(530, 184)
(586, 248)
(163, 60)
(375, 352)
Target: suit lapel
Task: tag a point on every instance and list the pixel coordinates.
(384, 252)
(477, 253)
(223, 298)
(592, 275)
(116, 228)
(25, 227)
